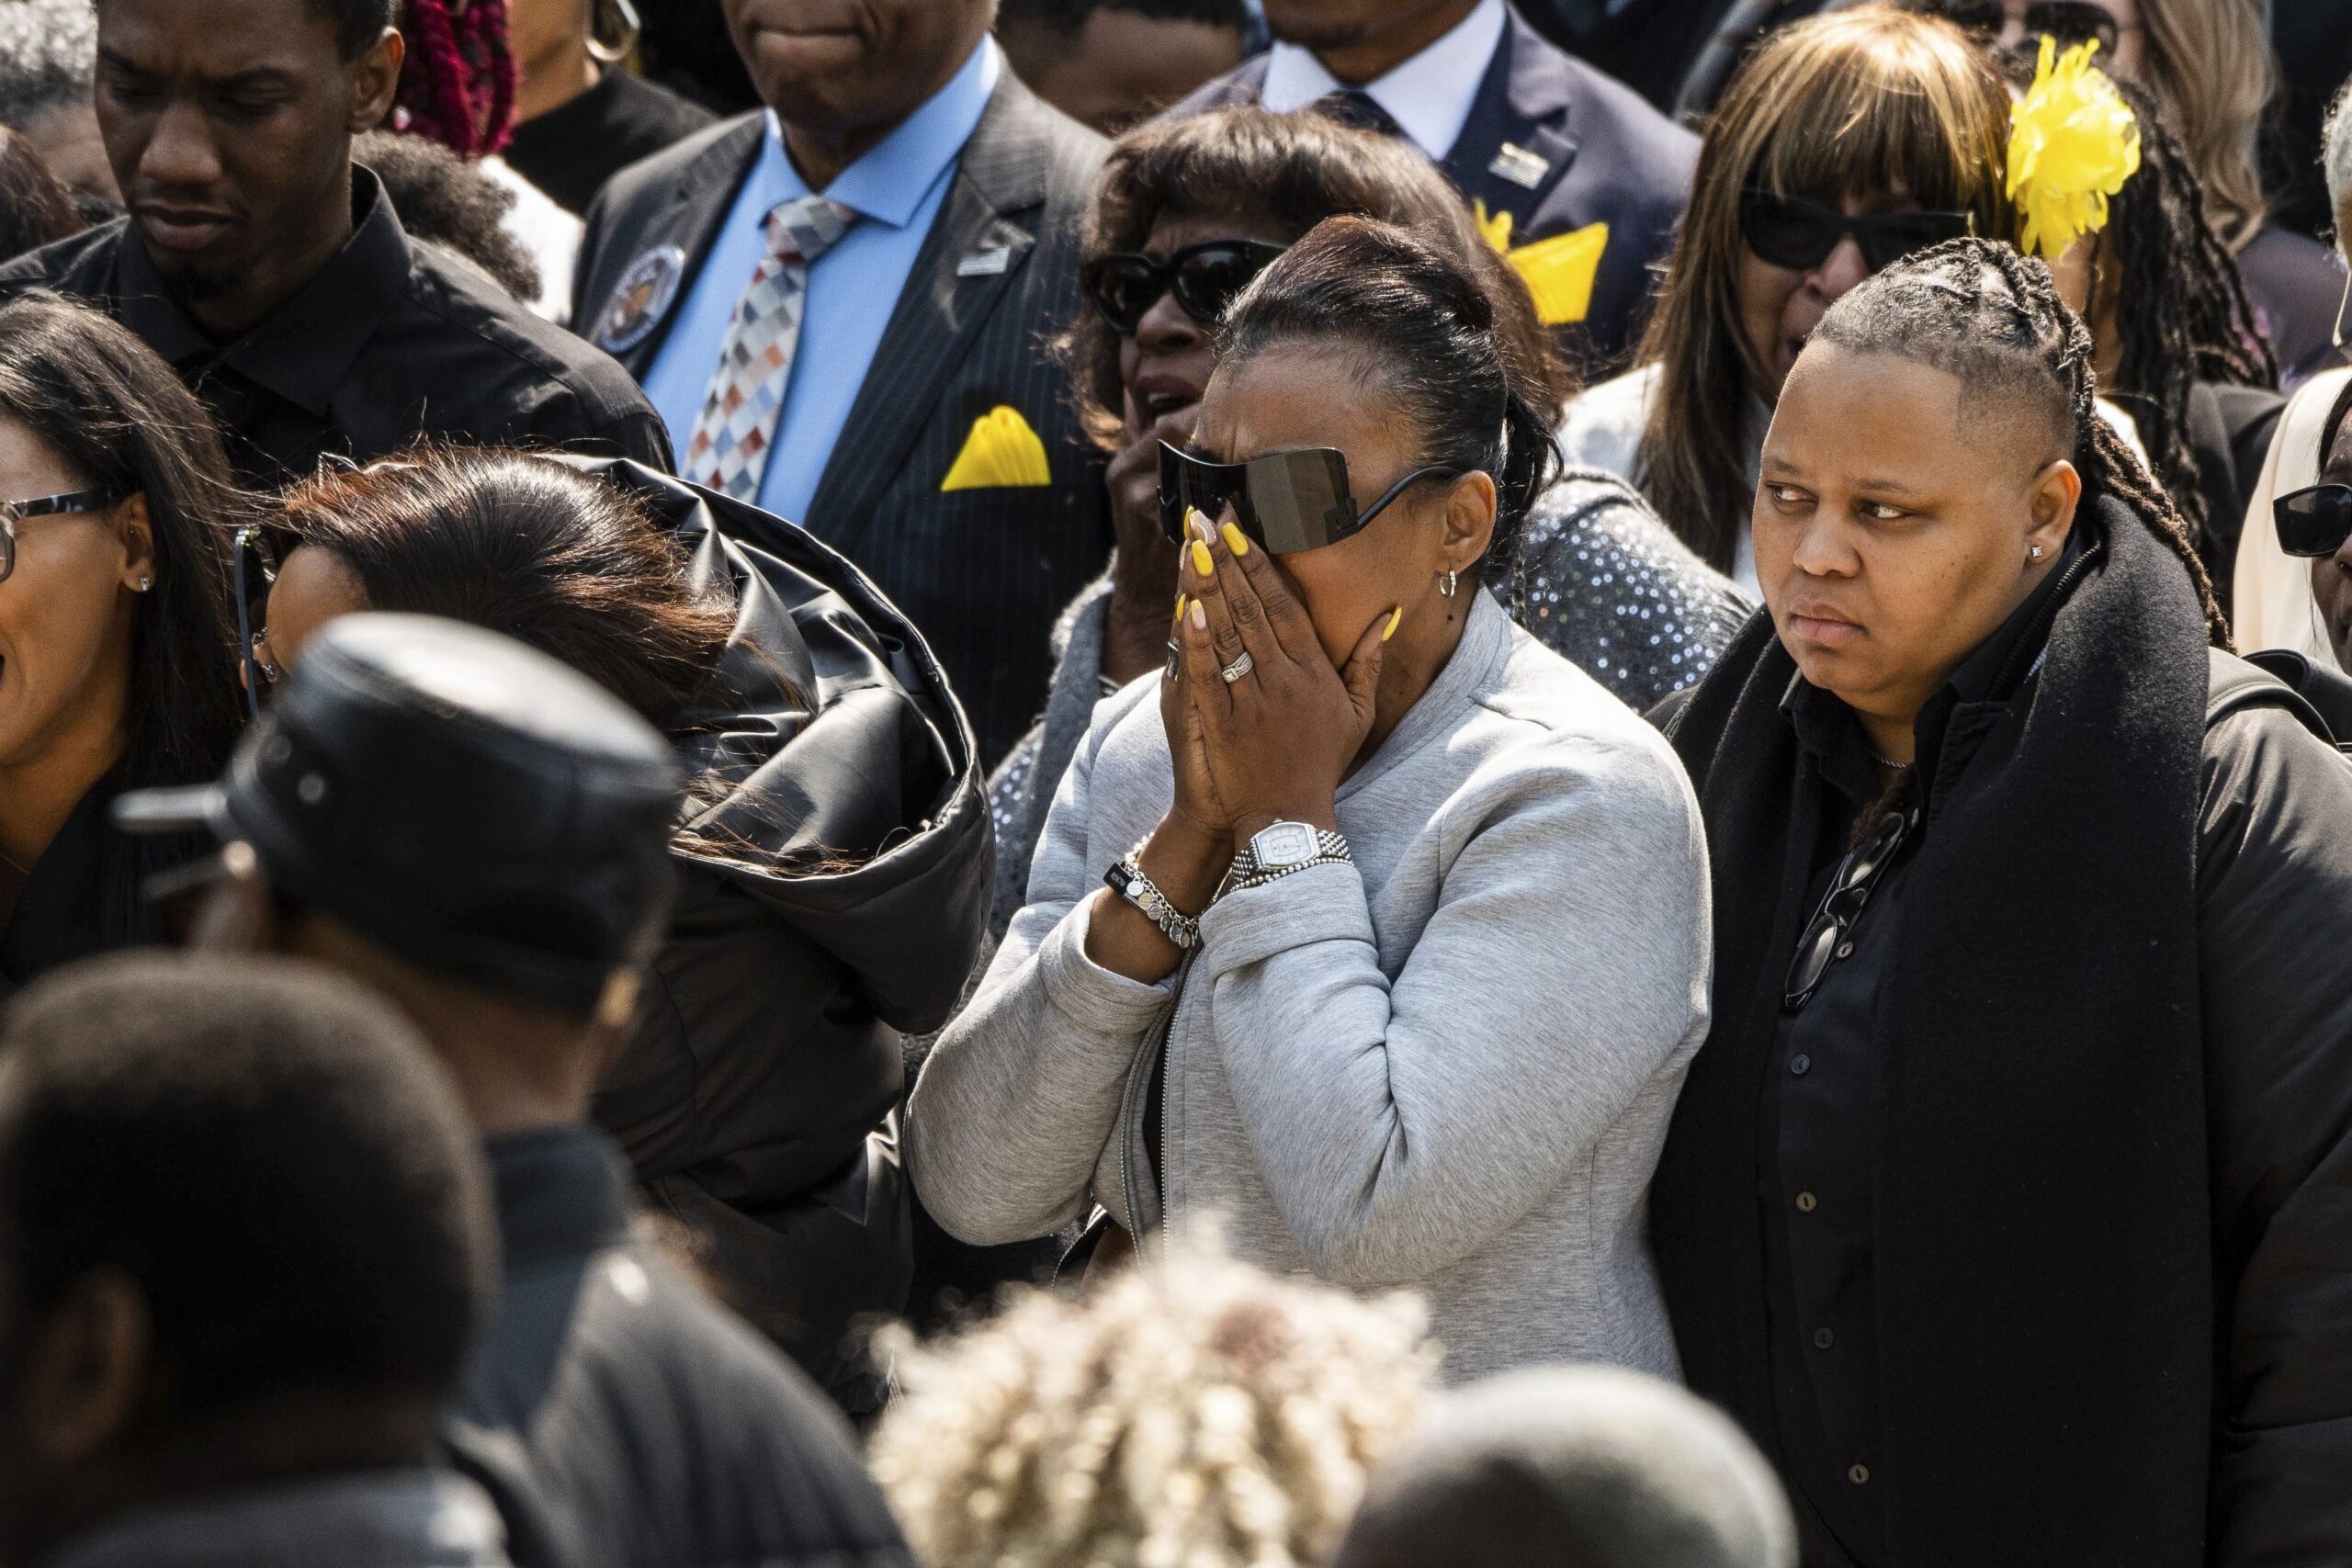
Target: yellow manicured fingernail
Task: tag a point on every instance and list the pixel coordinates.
(1235, 540)
(1200, 622)
(1395, 617)
(1180, 606)
(1201, 562)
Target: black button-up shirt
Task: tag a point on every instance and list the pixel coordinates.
(1817, 1157)
(392, 340)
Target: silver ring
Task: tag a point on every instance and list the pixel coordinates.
(1175, 660)
(1238, 668)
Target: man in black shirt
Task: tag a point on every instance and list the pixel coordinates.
(274, 276)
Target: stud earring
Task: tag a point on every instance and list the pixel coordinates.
(145, 583)
(1446, 586)
(2036, 552)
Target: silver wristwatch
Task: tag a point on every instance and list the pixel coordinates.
(1128, 880)
(1281, 848)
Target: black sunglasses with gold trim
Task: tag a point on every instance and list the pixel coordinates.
(1286, 502)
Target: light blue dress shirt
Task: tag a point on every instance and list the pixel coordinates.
(895, 189)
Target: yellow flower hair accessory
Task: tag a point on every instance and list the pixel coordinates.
(2073, 142)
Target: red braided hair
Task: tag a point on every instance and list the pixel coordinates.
(458, 86)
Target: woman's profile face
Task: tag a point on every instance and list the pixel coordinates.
(313, 588)
(1779, 306)
(2332, 576)
(1164, 367)
(1287, 398)
(1893, 524)
(67, 612)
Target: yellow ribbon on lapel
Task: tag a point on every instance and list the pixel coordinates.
(1559, 270)
(1001, 452)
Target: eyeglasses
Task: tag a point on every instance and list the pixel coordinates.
(2313, 523)
(1286, 502)
(2071, 22)
(1790, 231)
(1824, 939)
(256, 570)
(1203, 277)
(15, 512)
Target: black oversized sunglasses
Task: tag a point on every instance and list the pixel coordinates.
(1284, 501)
(2313, 523)
(2071, 22)
(256, 570)
(15, 512)
(1203, 277)
(1825, 940)
(1790, 231)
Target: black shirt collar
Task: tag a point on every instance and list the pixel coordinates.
(561, 1194)
(304, 350)
(1827, 728)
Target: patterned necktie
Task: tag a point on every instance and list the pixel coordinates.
(729, 452)
(1358, 110)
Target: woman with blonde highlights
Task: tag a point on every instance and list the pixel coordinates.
(1848, 140)
(1193, 1411)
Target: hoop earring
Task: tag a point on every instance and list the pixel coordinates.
(621, 16)
(1446, 585)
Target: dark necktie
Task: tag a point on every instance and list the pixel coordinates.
(1354, 108)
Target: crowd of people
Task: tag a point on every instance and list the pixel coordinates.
(1192, 784)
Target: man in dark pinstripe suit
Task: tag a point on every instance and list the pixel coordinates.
(924, 427)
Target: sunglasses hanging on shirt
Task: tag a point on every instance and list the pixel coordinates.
(1285, 502)
(1203, 277)
(1790, 231)
(2071, 22)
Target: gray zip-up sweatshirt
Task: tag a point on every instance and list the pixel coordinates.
(1448, 1066)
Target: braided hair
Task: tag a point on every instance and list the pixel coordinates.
(1976, 309)
(459, 85)
(2181, 311)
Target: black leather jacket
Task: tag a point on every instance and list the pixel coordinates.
(837, 859)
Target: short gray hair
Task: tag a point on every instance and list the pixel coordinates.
(49, 52)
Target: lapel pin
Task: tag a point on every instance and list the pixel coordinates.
(1519, 166)
(641, 298)
(985, 264)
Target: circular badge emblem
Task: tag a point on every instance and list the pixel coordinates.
(643, 297)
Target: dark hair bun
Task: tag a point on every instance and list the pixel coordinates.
(1448, 333)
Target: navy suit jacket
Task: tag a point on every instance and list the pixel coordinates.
(982, 572)
(1604, 154)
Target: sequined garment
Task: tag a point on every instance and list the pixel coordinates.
(1599, 581)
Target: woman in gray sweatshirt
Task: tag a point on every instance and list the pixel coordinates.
(1392, 964)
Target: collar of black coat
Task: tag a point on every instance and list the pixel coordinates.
(305, 349)
(2039, 1227)
(561, 1194)
(1827, 728)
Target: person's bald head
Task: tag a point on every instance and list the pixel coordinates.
(1573, 1467)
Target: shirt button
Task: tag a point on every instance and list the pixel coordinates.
(1801, 1065)
(1858, 1474)
(1807, 1203)
(1822, 1339)
(1845, 950)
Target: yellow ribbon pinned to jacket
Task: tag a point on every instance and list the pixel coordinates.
(1001, 452)
(1559, 270)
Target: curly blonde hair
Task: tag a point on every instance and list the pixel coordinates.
(1190, 1414)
